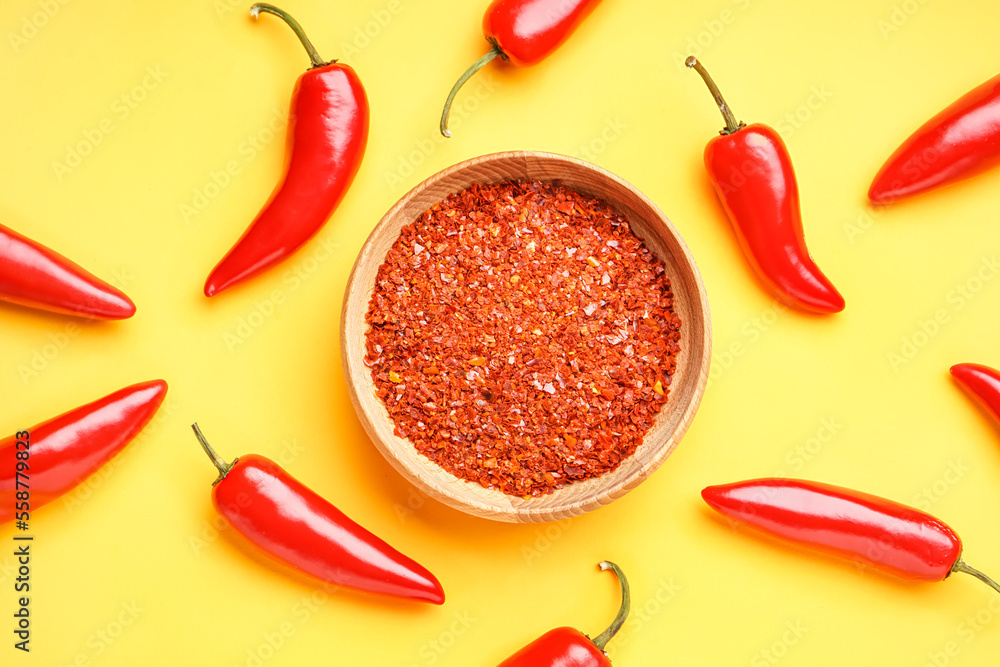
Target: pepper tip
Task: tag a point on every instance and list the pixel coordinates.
(122, 309)
(878, 196)
(691, 61)
(966, 371)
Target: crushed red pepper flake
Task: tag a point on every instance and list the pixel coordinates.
(526, 369)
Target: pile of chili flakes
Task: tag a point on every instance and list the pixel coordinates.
(522, 337)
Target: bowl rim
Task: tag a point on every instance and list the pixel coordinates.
(509, 508)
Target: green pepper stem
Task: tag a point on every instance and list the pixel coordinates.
(961, 566)
(296, 28)
(602, 639)
(494, 52)
(732, 125)
(216, 459)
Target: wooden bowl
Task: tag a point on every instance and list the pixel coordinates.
(690, 304)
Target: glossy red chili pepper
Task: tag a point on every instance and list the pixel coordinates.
(568, 647)
(960, 141)
(983, 383)
(523, 32)
(35, 276)
(295, 526)
(51, 458)
(871, 530)
(752, 173)
(327, 135)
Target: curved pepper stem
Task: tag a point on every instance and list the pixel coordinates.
(961, 566)
(732, 125)
(216, 459)
(494, 52)
(602, 639)
(255, 11)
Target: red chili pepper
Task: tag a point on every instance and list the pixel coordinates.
(35, 276)
(960, 141)
(752, 173)
(873, 531)
(983, 383)
(568, 647)
(51, 458)
(523, 33)
(295, 526)
(327, 135)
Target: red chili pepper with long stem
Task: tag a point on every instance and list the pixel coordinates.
(38, 277)
(327, 135)
(51, 458)
(959, 142)
(752, 173)
(872, 531)
(523, 33)
(983, 383)
(295, 526)
(568, 647)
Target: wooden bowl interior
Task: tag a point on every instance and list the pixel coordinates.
(690, 303)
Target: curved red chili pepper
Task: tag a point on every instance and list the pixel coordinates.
(983, 383)
(65, 450)
(523, 32)
(38, 277)
(875, 531)
(295, 526)
(327, 135)
(568, 647)
(960, 141)
(752, 173)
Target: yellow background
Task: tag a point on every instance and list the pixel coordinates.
(132, 568)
